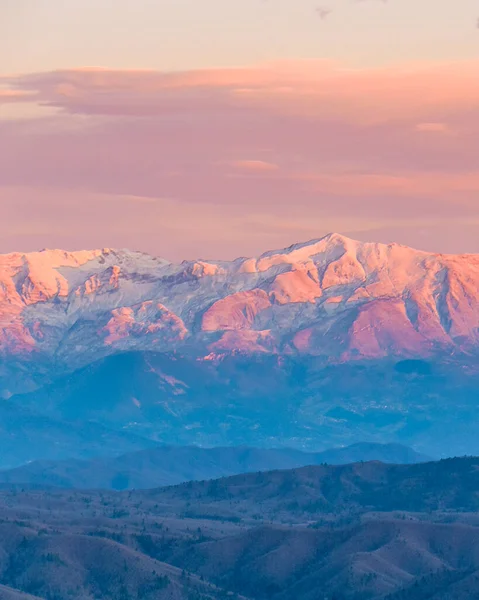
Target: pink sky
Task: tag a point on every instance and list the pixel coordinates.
(221, 162)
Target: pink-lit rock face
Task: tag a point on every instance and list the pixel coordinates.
(331, 297)
(236, 311)
(298, 285)
(31, 279)
(204, 269)
(302, 339)
(344, 271)
(383, 327)
(245, 341)
(145, 319)
(100, 282)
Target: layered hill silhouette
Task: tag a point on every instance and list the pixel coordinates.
(170, 465)
(370, 531)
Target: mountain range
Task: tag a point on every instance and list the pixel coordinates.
(332, 298)
(323, 344)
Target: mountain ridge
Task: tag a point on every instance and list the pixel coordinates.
(294, 246)
(331, 297)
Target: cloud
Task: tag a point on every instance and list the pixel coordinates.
(7, 95)
(291, 149)
(313, 88)
(254, 165)
(433, 127)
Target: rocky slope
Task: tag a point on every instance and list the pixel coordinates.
(334, 298)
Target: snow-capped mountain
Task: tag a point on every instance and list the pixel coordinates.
(261, 351)
(332, 297)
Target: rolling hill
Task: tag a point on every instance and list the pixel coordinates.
(368, 530)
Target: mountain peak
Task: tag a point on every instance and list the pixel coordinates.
(329, 239)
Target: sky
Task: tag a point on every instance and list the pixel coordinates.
(217, 128)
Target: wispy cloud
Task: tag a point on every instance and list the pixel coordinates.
(433, 127)
(318, 145)
(254, 165)
(15, 95)
(318, 88)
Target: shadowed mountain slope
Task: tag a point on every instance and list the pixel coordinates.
(266, 401)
